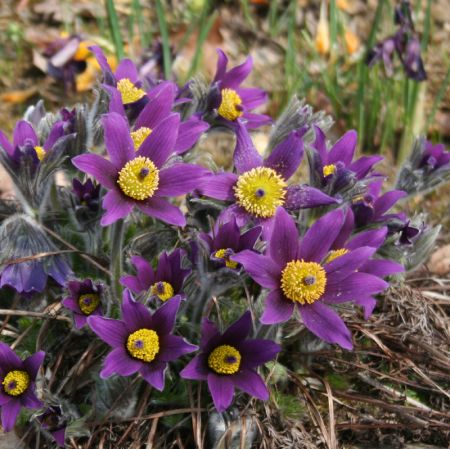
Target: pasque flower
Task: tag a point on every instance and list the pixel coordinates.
(228, 360)
(164, 283)
(17, 384)
(300, 277)
(260, 186)
(85, 299)
(54, 422)
(87, 194)
(140, 178)
(141, 342)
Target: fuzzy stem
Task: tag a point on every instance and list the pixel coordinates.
(117, 235)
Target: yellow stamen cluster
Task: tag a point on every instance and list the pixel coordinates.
(129, 92)
(139, 136)
(260, 191)
(227, 108)
(139, 178)
(143, 344)
(163, 290)
(303, 282)
(40, 152)
(16, 382)
(335, 254)
(225, 359)
(329, 170)
(88, 302)
(223, 254)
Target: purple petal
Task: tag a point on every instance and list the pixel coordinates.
(159, 145)
(302, 196)
(180, 179)
(363, 165)
(277, 308)
(9, 414)
(117, 206)
(322, 321)
(261, 268)
(102, 61)
(239, 330)
(132, 283)
(374, 238)
(344, 149)
(134, 314)
(100, 168)
(110, 331)
(56, 133)
(80, 320)
(320, 236)
(59, 436)
(23, 133)
(9, 360)
(29, 399)
(222, 62)
(196, 369)
(218, 186)
(154, 374)
(252, 97)
(251, 382)
(320, 145)
(119, 362)
(386, 201)
(163, 210)
(173, 347)
(249, 238)
(234, 77)
(127, 69)
(368, 304)
(118, 141)
(286, 156)
(164, 318)
(227, 236)
(115, 100)
(33, 363)
(283, 244)
(188, 134)
(381, 268)
(253, 121)
(257, 352)
(145, 272)
(209, 332)
(345, 232)
(346, 264)
(24, 277)
(222, 391)
(164, 270)
(245, 155)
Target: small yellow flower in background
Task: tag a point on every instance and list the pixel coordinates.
(352, 42)
(84, 81)
(343, 4)
(322, 40)
(83, 51)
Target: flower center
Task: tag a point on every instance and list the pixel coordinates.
(225, 359)
(260, 191)
(88, 302)
(139, 178)
(329, 170)
(16, 382)
(224, 255)
(139, 136)
(40, 152)
(143, 344)
(129, 92)
(335, 254)
(163, 290)
(230, 107)
(303, 282)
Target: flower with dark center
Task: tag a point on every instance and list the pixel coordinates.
(141, 342)
(164, 282)
(17, 384)
(87, 194)
(85, 299)
(54, 422)
(300, 277)
(228, 360)
(140, 178)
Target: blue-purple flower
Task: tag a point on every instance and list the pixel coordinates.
(435, 157)
(87, 194)
(142, 178)
(300, 277)
(230, 360)
(54, 422)
(17, 384)
(164, 283)
(85, 299)
(141, 342)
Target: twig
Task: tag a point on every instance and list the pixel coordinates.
(42, 315)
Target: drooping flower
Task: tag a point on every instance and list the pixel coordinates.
(164, 283)
(228, 360)
(232, 102)
(300, 277)
(140, 178)
(28, 257)
(54, 422)
(85, 299)
(17, 384)
(141, 342)
(87, 194)
(260, 186)
(227, 241)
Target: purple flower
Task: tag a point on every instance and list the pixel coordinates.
(233, 102)
(52, 420)
(259, 186)
(371, 207)
(17, 384)
(230, 360)
(141, 342)
(299, 276)
(227, 241)
(435, 157)
(84, 300)
(140, 178)
(165, 283)
(87, 194)
(159, 107)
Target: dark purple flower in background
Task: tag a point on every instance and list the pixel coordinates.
(54, 422)
(164, 283)
(226, 241)
(140, 178)
(141, 342)
(233, 102)
(17, 384)
(87, 194)
(300, 277)
(230, 360)
(85, 299)
(435, 157)
(260, 186)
